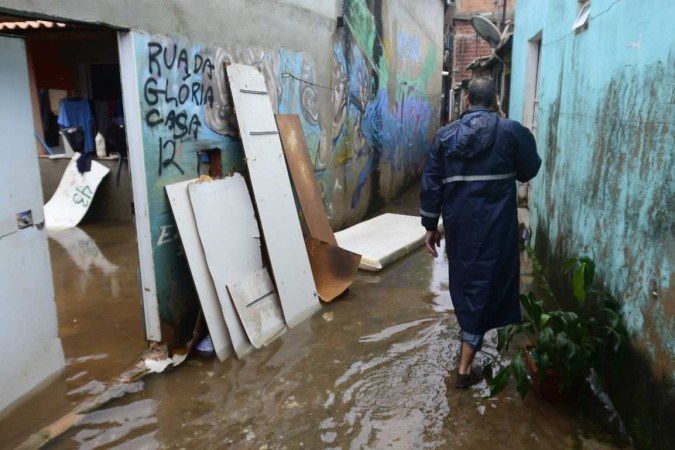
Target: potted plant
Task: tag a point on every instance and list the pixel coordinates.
(563, 345)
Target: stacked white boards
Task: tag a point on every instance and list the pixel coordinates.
(222, 243)
(273, 193)
(179, 198)
(244, 309)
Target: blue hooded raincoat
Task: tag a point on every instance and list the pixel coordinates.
(469, 178)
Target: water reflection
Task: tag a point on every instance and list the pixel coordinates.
(372, 370)
(439, 281)
(113, 426)
(83, 251)
(95, 272)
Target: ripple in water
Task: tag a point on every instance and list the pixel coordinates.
(397, 398)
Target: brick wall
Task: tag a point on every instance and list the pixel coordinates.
(467, 44)
(467, 47)
(477, 6)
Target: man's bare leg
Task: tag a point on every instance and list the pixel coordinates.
(466, 359)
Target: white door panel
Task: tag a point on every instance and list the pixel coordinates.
(27, 310)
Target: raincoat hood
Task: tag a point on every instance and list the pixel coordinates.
(473, 135)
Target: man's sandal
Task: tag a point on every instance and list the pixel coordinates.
(465, 381)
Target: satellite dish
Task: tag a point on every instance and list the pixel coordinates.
(487, 30)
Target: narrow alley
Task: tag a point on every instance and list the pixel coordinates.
(216, 221)
(368, 371)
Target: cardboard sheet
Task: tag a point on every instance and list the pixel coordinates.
(230, 238)
(73, 196)
(273, 193)
(258, 307)
(304, 180)
(179, 199)
(383, 239)
(333, 268)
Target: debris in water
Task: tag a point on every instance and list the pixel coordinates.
(157, 366)
(330, 401)
(205, 346)
(250, 435)
(328, 316)
(329, 437)
(291, 403)
(328, 423)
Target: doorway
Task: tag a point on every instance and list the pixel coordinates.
(533, 63)
(531, 106)
(75, 84)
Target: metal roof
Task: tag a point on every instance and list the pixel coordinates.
(30, 24)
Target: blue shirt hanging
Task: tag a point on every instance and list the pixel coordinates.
(76, 112)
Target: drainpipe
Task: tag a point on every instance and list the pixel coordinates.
(503, 14)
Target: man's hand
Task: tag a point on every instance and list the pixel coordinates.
(433, 240)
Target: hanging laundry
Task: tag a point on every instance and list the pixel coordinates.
(103, 118)
(50, 127)
(76, 112)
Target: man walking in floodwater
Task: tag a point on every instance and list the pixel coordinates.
(469, 178)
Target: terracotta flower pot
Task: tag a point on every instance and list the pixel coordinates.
(548, 388)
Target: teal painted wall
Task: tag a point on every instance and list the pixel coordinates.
(606, 134)
(185, 108)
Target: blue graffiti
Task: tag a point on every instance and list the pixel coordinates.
(394, 136)
(299, 96)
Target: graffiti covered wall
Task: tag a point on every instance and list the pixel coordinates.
(606, 191)
(363, 75)
(386, 100)
(185, 110)
(367, 125)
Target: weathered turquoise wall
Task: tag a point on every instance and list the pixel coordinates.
(606, 134)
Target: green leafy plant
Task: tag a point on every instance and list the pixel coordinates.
(566, 343)
(582, 278)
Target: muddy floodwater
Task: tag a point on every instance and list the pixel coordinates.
(373, 369)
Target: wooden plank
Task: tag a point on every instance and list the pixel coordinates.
(273, 194)
(73, 196)
(231, 241)
(304, 180)
(258, 306)
(208, 297)
(333, 268)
